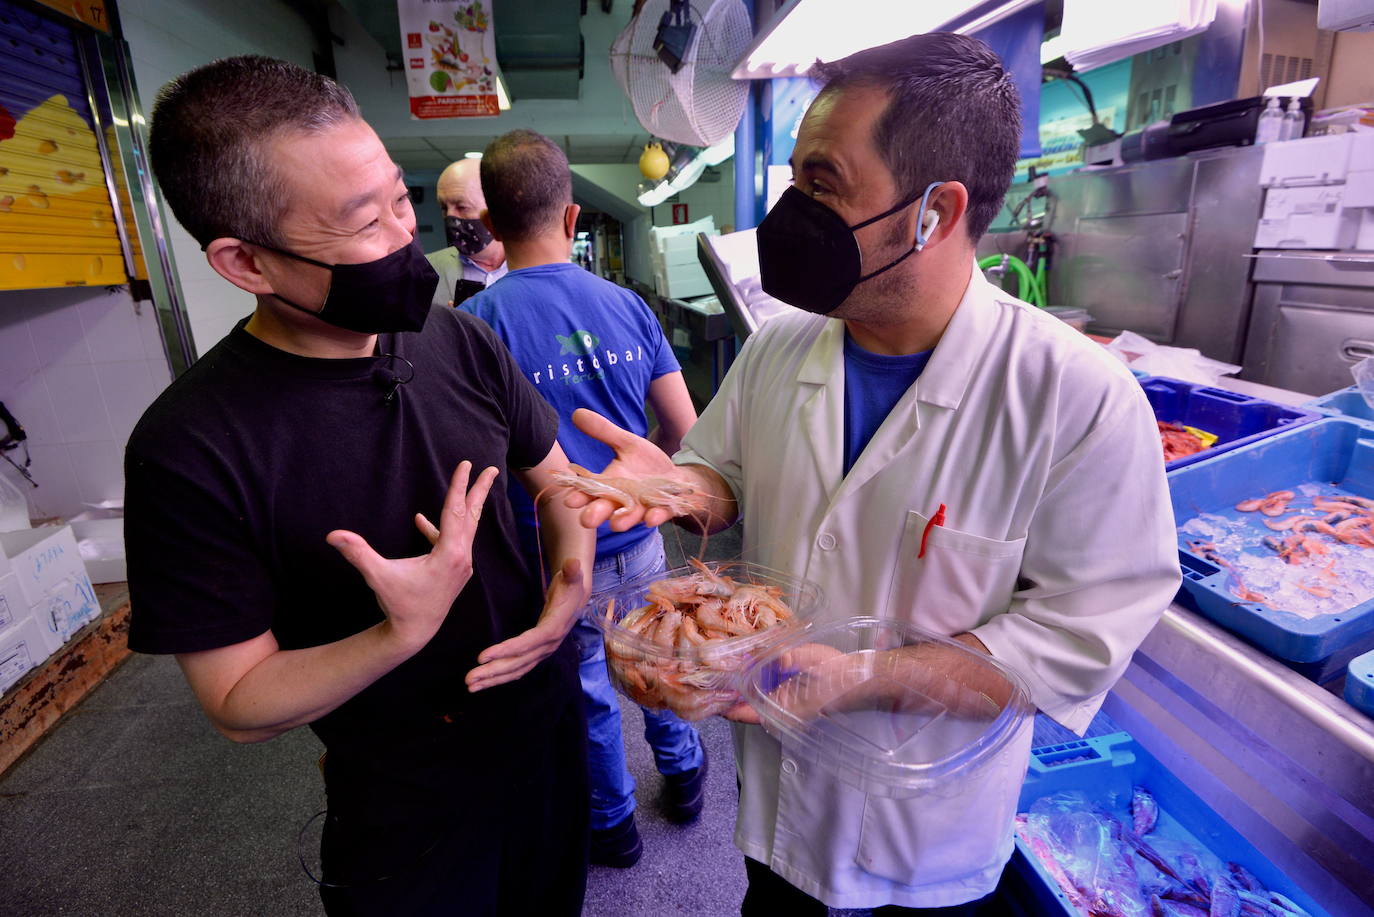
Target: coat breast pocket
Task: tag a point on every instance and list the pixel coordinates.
(961, 581)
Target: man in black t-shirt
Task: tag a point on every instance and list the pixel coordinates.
(271, 484)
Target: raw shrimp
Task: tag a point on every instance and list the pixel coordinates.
(1274, 504)
(1178, 442)
(692, 620)
(759, 605)
(678, 498)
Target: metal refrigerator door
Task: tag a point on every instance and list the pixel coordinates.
(1313, 319)
(1125, 271)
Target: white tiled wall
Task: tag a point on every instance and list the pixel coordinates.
(168, 38)
(78, 366)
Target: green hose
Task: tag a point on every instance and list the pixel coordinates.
(1029, 287)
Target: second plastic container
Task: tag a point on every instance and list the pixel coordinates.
(928, 739)
(893, 710)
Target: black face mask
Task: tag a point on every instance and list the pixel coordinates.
(468, 236)
(808, 256)
(393, 293)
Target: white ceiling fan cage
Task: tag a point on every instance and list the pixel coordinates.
(700, 104)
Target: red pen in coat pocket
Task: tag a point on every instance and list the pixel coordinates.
(937, 519)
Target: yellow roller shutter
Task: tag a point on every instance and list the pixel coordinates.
(57, 225)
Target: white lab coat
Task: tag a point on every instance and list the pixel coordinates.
(1058, 552)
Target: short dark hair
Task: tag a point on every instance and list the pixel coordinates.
(953, 115)
(527, 183)
(210, 132)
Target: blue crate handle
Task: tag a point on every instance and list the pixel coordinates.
(1078, 753)
(1225, 395)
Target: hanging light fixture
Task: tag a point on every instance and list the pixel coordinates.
(803, 31)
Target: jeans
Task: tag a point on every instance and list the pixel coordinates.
(675, 744)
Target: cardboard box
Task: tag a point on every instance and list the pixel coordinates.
(52, 579)
(21, 649)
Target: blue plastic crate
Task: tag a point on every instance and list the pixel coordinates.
(1234, 418)
(1359, 683)
(1106, 768)
(1346, 402)
(1331, 451)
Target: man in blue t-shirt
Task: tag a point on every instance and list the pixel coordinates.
(586, 343)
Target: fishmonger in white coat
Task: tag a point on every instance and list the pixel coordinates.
(838, 437)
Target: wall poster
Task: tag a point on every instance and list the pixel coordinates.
(449, 50)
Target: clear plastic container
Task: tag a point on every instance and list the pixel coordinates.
(696, 680)
(1075, 318)
(898, 712)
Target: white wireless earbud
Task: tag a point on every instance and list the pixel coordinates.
(928, 224)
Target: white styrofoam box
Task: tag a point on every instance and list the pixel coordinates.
(41, 558)
(1359, 185)
(680, 281)
(658, 233)
(681, 254)
(706, 305)
(101, 542)
(1309, 161)
(20, 650)
(66, 608)
(53, 580)
(1365, 240)
(678, 244)
(683, 271)
(14, 608)
(1307, 218)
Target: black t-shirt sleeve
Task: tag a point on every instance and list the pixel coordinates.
(532, 421)
(195, 582)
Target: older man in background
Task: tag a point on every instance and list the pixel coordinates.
(474, 260)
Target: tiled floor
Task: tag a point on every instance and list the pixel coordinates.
(135, 806)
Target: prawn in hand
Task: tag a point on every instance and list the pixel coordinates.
(642, 485)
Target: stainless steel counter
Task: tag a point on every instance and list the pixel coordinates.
(1286, 763)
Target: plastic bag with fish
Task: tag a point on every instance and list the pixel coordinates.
(1086, 844)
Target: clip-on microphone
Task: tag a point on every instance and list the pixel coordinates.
(388, 380)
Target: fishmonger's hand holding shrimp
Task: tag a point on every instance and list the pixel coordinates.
(643, 485)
